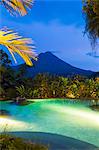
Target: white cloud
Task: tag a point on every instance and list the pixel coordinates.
(67, 40)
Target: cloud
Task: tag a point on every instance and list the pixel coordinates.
(67, 42)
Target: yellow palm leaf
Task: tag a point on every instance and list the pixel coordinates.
(19, 45)
(17, 6)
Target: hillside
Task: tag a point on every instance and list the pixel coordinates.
(49, 63)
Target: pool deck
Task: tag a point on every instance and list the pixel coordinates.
(54, 141)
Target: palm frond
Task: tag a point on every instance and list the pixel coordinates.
(19, 45)
(17, 6)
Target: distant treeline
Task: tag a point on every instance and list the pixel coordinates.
(48, 86)
(13, 84)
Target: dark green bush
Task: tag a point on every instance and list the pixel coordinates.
(11, 93)
(8, 142)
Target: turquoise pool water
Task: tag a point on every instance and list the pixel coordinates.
(75, 120)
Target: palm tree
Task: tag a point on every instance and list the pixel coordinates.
(11, 40)
(21, 90)
(17, 44)
(91, 12)
(17, 6)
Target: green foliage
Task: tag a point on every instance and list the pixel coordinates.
(21, 91)
(4, 59)
(44, 85)
(30, 92)
(36, 93)
(47, 86)
(2, 92)
(8, 142)
(11, 93)
(91, 12)
(6, 74)
(6, 78)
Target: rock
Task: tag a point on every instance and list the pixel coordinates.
(4, 112)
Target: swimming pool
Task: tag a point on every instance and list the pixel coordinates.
(62, 117)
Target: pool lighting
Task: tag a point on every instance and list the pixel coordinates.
(89, 116)
(11, 124)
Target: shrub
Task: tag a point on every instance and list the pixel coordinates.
(8, 142)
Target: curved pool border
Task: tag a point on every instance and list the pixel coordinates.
(74, 100)
(55, 141)
(40, 139)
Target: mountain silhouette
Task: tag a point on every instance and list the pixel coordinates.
(49, 63)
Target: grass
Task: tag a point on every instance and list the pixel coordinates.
(9, 142)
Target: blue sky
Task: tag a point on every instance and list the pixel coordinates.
(56, 26)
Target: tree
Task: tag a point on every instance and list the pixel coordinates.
(11, 40)
(17, 6)
(63, 85)
(17, 44)
(21, 91)
(7, 79)
(90, 87)
(91, 12)
(41, 83)
(4, 59)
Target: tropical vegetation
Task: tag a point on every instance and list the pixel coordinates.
(48, 86)
(9, 142)
(16, 7)
(91, 13)
(11, 40)
(17, 44)
(14, 83)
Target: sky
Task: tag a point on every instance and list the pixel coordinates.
(56, 26)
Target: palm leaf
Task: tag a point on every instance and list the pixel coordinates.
(19, 45)
(17, 6)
